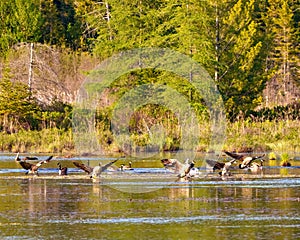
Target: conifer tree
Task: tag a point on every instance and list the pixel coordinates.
(283, 60)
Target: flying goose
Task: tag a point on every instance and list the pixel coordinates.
(62, 170)
(214, 164)
(256, 167)
(96, 171)
(174, 165)
(186, 172)
(32, 168)
(221, 166)
(226, 167)
(246, 160)
(182, 169)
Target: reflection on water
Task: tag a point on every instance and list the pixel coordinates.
(79, 209)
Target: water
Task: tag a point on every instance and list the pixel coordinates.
(206, 208)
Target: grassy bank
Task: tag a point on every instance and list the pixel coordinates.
(277, 136)
(45, 141)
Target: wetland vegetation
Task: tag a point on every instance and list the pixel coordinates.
(48, 48)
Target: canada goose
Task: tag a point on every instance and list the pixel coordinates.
(221, 166)
(226, 167)
(174, 165)
(123, 167)
(62, 171)
(32, 168)
(215, 165)
(194, 172)
(246, 160)
(182, 169)
(186, 172)
(256, 167)
(96, 171)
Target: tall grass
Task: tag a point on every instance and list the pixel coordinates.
(277, 136)
(47, 140)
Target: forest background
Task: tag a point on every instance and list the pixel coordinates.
(249, 47)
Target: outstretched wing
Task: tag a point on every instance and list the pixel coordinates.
(103, 168)
(187, 170)
(168, 162)
(235, 155)
(44, 161)
(248, 161)
(214, 164)
(259, 157)
(83, 167)
(31, 158)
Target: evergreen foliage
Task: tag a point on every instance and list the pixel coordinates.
(243, 44)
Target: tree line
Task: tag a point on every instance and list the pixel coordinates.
(243, 44)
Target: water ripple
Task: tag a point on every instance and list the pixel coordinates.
(168, 220)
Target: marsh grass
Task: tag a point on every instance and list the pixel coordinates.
(268, 136)
(47, 140)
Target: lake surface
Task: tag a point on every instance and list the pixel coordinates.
(205, 208)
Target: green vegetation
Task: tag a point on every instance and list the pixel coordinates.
(272, 156)
(48, 46)
(285, 160)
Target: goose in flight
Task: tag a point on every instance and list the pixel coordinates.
(186, 172)
(32, 168)
(95, 171)
(182, 169)
(174, 165)
(256, 167)
(224, 167)
(246, 160)
(215, 164)
(62, 170)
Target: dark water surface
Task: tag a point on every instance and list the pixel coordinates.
(206, 208)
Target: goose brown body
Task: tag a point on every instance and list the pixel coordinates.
(62, 171)
(95, 171)
(32, 168)
(246, 160)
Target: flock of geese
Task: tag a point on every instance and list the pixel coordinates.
(186, 170)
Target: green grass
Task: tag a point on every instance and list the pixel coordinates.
(268, 136)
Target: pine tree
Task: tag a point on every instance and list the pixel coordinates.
(283, 61)
(15, 102)
(238, 50)
(19, 22)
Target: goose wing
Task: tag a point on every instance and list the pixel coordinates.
(235, 155)
(259, 157)
(104, 167)
(248, 161)
(186, 171)
(168, 162)
(44, 161)
(83, 167)
(31, 158)
(214, 164)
